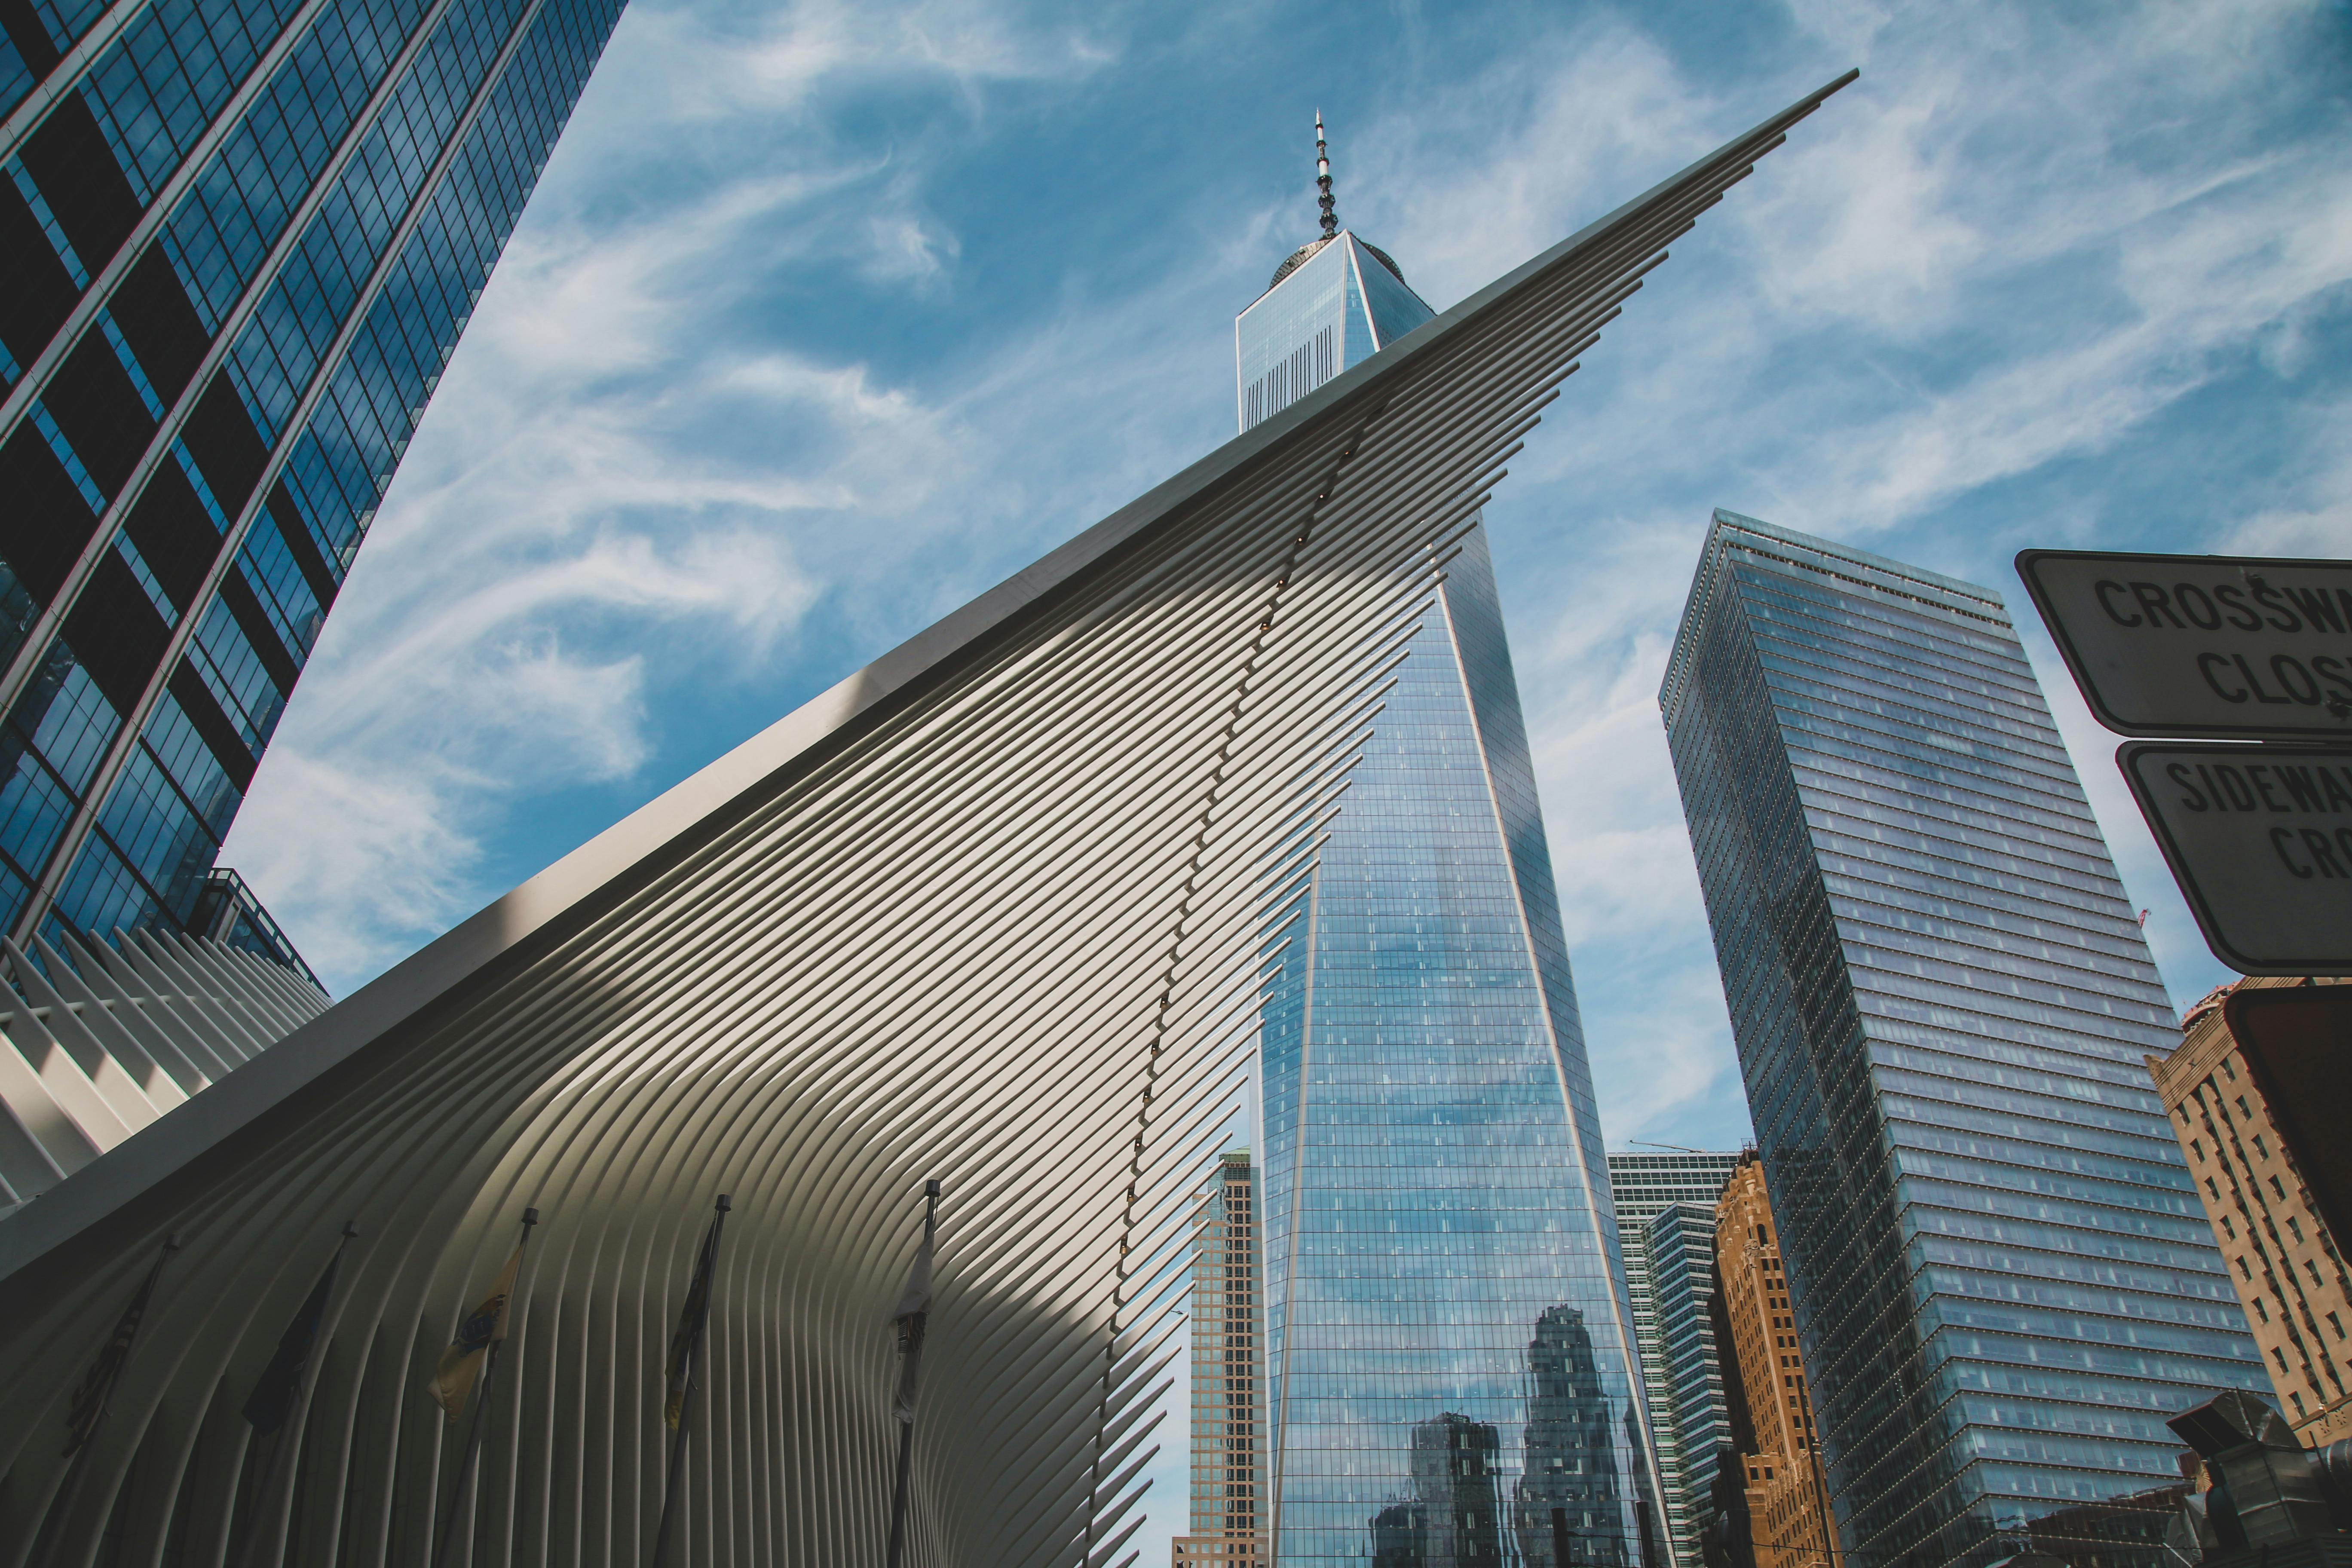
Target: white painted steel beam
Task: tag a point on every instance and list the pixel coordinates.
(994, 910)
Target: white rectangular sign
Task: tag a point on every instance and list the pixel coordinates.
(2202, 645)
(2260, 839)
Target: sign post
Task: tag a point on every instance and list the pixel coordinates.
(2258, 833)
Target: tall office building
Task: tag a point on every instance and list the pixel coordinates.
(1786, 1504)
(238, 240)
(2272, 1219)
(1941, 1001)
(1680, 1187)
(1434, 1190)
(1679, 1244)
(1228, 1412)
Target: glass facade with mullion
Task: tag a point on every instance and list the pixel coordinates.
(1448, 1331)
(1665, 1206)
(1941, 1003)
(78, 183)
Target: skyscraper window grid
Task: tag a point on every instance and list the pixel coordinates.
(1228, 1501)
(1941, 1000)
(2290, 1275)
(1442, 1274)
(236, 246)
(1642, 1187)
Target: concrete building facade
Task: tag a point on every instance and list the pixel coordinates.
(1788, 1496)
(1228, 1393)
(995, 910)
(2285, 1259)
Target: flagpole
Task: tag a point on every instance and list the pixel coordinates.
(99, 1386)
(481, 1401)
(686, 1397)
(911, 1344)
(276, 1434)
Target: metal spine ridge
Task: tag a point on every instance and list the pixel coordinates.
(993, 910)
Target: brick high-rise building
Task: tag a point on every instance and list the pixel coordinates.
(1788, 1499)
(1228, 1416)
(2287, 1266)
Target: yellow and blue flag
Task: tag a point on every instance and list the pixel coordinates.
(461, 1364)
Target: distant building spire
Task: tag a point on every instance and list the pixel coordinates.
(1323, 178)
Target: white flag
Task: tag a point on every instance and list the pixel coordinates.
(914, 1306)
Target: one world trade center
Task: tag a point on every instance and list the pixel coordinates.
(1449, 1371)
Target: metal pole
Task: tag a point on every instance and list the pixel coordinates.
(685, 1395)
(474, 1434)
(48, 1542)
(246, 1550)
(907, 1427)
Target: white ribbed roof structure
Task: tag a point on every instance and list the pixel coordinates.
(99, 1047)
(989, 910)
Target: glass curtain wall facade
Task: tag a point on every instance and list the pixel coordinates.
(1642, 1187)
(1942, 1004)
(1449, 1371)
(1332, 305)
(1678, 1243)
(238, 241)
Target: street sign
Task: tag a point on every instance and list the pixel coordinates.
(2260, 839)
(2202, 645)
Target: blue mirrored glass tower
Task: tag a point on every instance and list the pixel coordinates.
(238, 240)
(1943, 1004)
(1450, 1375)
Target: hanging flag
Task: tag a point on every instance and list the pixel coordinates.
(272, 1400)
(89, 1400)
(461, 1364)
(914, 1309)
(687, 1343)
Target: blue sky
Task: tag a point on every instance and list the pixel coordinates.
(827, 316)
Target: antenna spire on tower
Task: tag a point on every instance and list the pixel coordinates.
(1323, 179)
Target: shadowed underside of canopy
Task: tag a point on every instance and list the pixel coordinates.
(992, 911)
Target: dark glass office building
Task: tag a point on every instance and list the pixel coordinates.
(1942, 1002)
(1663, 1202)
(238, 240)
(1449, 1355)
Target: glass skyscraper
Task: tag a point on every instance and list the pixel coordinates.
(1642, 1187)
(1678, 1252)
(238, 240)
(1450, 1369)
(1942, 1004)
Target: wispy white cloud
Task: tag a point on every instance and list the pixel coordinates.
(1994, 256)
(744, 403)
